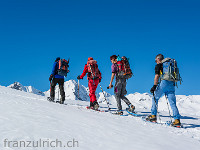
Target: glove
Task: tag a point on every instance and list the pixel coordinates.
(109, 87)
(79, 77)
(153, 88)
(51, 77)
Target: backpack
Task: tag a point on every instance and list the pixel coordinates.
(124, 70)
(170, 70)
(93, 70)
(63, 66)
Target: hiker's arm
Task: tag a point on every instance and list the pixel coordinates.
(156, 79)
(112, 78)
(100, 75)
(84, 72)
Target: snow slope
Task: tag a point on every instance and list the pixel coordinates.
(29, 117)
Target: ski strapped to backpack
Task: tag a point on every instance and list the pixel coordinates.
(63, 66)
(93, 70)
(124, 70)
(170, 71)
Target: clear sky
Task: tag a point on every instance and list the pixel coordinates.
(34, 32)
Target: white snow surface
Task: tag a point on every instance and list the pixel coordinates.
(30, 117)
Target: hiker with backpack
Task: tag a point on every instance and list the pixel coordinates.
(60, 69)
(167, 72)
(94, 78)
(121, 69)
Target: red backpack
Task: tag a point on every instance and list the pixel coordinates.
(120, 65)
(63, 66)
(124, 70)
(93, 70)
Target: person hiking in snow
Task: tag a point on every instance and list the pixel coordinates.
(57, 76)
(166, 87)
(120, 87)
(94, 78)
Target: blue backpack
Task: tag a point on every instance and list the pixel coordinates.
(170, 70)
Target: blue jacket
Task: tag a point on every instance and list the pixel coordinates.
(55, 71)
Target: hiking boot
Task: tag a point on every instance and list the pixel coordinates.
(96, 105)
(131, 108)
(176, 123)
(51, 99)
(118, 112)
(151, 118)
(62, 100)
(91, 104)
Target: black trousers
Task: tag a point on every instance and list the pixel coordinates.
(61, 87)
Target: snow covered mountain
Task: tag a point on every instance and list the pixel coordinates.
(71, 91)
(29, 89)
(29, 117)
(186, 104)
(101, 98)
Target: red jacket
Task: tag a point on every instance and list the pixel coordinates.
(86, 71)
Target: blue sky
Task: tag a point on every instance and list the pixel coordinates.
(34, 32)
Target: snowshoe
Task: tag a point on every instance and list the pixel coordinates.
(118, 113)
(151, 118)
(90, 107)
(133, 113)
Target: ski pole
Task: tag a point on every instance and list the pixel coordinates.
(78, 89)
(50, 91)
(104, 96)
(58, 95)
(156, 107)
(50, 88)
(168, 108)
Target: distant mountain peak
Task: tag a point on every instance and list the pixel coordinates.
(29, 89)
(17, 86)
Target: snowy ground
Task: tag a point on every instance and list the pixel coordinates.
(29, 117)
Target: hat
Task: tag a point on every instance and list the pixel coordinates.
(90, 58)
(58, 58)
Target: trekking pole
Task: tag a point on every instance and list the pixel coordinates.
(168, 108)
(58, 95)
(50, 92)
(50, 88)
(104, 96)
(49, 98)
(78, 89)
(156, 107)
